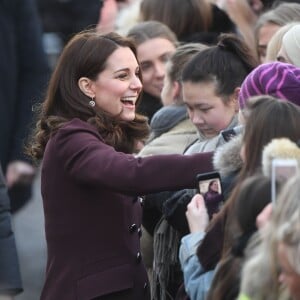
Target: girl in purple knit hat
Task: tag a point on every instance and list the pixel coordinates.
(277, 79)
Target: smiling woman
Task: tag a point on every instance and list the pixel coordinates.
(155, 44)
(91, 183)
(117, 88)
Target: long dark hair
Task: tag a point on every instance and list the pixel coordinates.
(85, 55)
(254, 195)
(182, 17)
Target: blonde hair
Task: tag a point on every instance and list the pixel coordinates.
(291, 44)
(281, 15)
(287, 219)
(263, 257)
(275, 42)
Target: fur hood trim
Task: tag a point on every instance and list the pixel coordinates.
(226, 159)
(279, 148)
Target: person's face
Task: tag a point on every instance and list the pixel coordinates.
(118, 85)
(288, 276)
(206, 110)
(214, 186)
(265, 33)
(153, 55)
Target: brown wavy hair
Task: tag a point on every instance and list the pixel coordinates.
(85, 55)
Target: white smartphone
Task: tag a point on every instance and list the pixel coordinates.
(282, 170)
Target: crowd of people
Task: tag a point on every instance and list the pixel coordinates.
(144, 98)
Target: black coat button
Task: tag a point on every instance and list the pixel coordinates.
(141, 200)
(132, 228)
(138, 257)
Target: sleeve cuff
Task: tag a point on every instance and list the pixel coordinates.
(189, 244)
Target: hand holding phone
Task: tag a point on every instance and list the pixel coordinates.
(282, 170)
(196, 214)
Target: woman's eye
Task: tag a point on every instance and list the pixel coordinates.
(204, 110)
(123, 75)
(164, 58)
(281, 59)
(145, 66)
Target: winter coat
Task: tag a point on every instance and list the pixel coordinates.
(93, 213)
(196, 280)
(171, 132)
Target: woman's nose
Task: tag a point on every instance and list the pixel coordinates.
(136, 83)
(160, 70)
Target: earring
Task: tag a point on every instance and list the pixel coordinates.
(92, 102)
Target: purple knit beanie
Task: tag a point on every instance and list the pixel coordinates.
(276, 79)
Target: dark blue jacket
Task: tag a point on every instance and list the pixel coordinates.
(23, 74)
(10, 279)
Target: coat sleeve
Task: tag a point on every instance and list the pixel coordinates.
(10, 278)
(88, 160)
(196, 281)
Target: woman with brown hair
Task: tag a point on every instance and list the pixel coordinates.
(155, 43)
(191, 20)
(90, 181)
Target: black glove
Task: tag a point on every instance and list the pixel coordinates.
(174, 209)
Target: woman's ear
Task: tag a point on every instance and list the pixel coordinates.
(86, 86)
(176, 91)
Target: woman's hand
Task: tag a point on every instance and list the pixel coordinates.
(196, 214)
(108, 16)
(19, 172)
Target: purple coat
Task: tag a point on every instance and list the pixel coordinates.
(93, 213)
